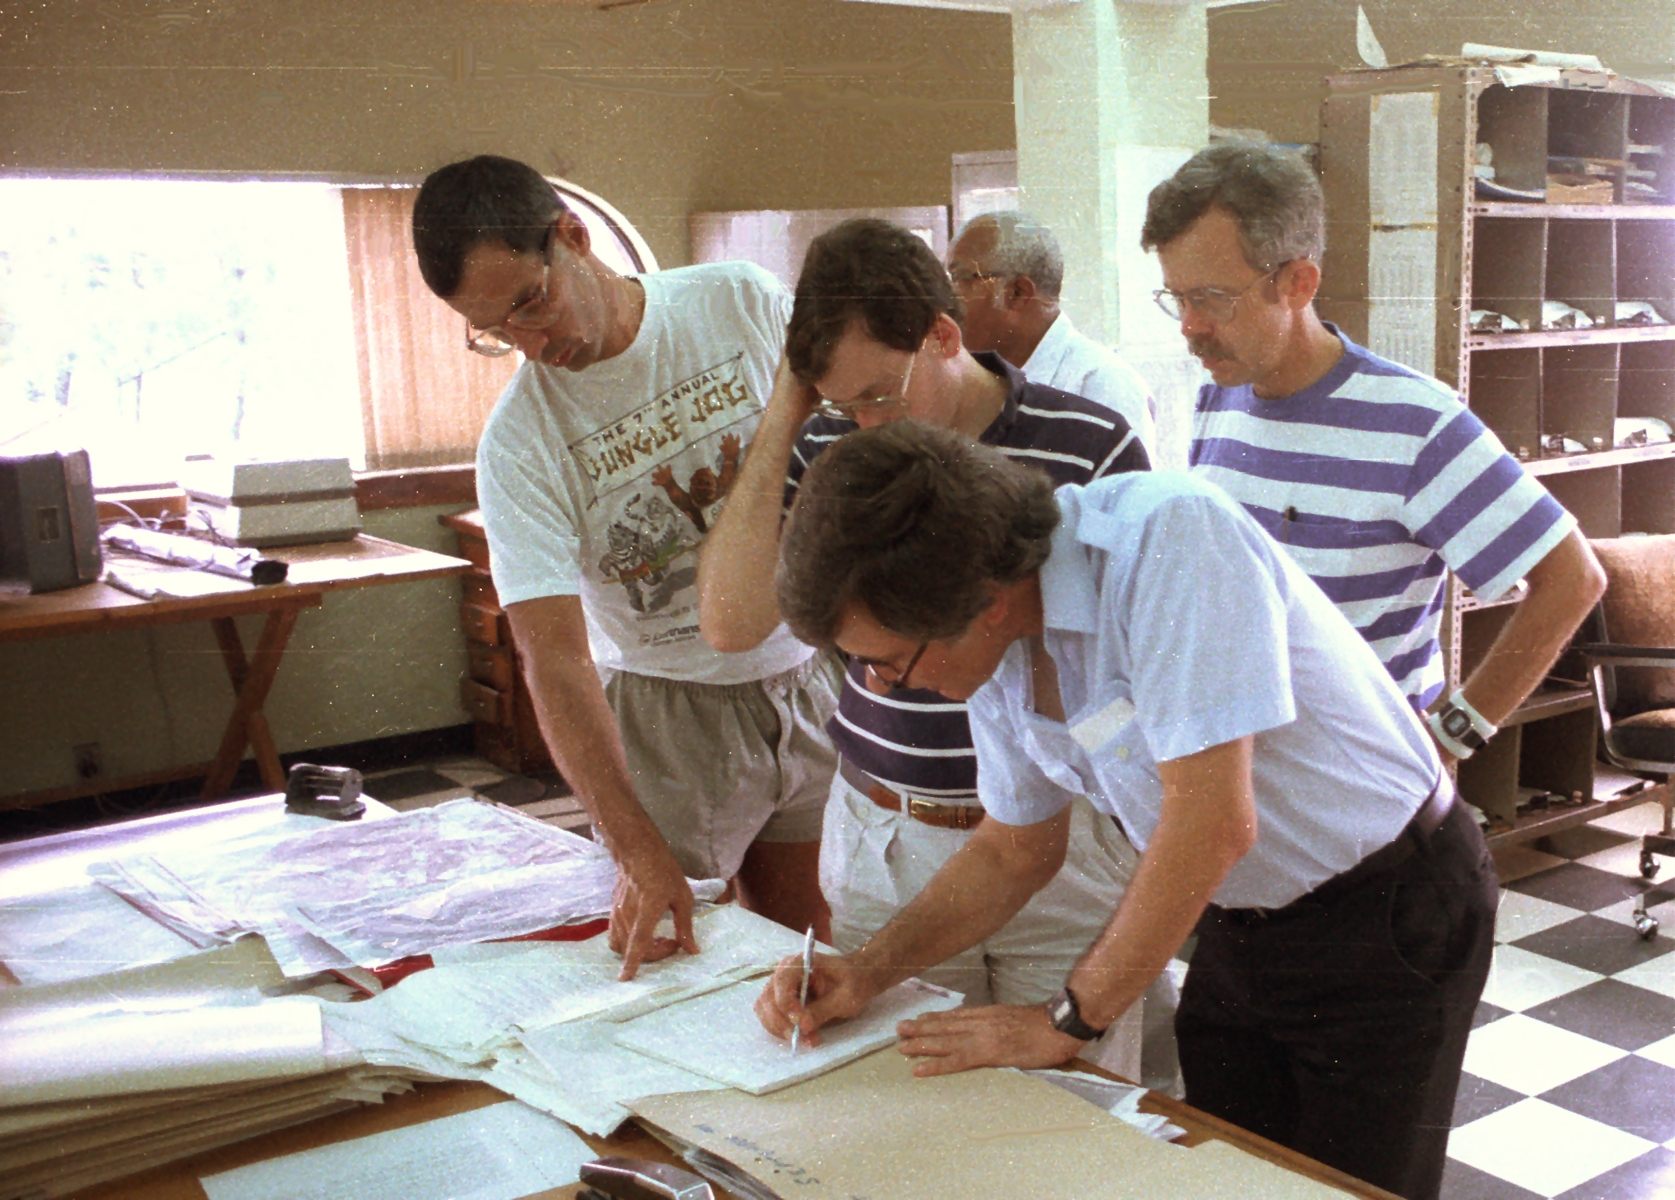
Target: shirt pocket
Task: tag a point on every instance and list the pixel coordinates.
(1306, 532)
(1050, 746)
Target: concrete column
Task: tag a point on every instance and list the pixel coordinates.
(1111, 96)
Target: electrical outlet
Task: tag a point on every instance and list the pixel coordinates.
(90, 761)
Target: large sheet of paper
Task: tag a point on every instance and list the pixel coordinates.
(372, 892)
(80, 931)
(226, 975)
(718, 1036)
(136, 1052)
(871, 1129)
(499, 1152)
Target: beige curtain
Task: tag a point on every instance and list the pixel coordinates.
(424, 396)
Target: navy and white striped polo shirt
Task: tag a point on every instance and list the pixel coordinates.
(917, 740)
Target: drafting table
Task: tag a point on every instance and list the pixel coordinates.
(35, 864)
(314, 571)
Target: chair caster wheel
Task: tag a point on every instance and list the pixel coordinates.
(1648, 865)
(1645, 926)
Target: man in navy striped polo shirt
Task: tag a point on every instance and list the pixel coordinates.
(1376, 478)
(874, 337)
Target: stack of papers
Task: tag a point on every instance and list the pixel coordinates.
(107, 1068)
(550, 1024)
(368, 893)
(103, 1077)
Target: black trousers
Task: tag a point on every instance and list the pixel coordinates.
(1337, 1028)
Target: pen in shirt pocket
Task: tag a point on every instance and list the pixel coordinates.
(1286, 517)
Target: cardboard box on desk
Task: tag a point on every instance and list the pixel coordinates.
(274, 502)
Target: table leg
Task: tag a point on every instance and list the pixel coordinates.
(252, 679)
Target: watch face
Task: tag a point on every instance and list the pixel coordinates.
(1060, 1009)
(1455, 723)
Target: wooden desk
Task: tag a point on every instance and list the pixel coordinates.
(200, 596)
(179, 1180)
(35, 865)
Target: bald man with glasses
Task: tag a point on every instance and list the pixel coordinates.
(601, 469)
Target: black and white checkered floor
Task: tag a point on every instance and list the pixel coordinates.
(1569, 1088)
(420, 785)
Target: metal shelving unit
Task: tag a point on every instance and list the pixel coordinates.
(1413, 250)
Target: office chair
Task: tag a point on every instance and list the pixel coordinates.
(1628, 646)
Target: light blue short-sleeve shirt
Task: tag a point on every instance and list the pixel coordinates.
(1176, 624)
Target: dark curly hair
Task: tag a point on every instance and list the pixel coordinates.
(916, 523)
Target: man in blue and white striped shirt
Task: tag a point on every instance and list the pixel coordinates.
(1377, 479)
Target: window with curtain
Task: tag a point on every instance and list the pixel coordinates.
(144, 320)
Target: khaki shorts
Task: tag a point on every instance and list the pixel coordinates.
(720, 766)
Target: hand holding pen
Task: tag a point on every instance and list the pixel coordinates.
(802, 985)
(809, 991)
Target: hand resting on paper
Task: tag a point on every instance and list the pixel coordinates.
(647, 886)
(837, 989)
(995, 1035)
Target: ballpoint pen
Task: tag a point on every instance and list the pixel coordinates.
(802, 989)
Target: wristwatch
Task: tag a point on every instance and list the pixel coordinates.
(1456, 722)
(1065, 1015)
(1459, 727)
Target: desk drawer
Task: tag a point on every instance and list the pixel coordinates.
(479, 589)
(496, 666)
(486, 704)
(484, 625)
(475, 548)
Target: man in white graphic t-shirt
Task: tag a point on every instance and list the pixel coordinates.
(601, 468)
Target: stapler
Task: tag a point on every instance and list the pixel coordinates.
(619, 1178)
(331, 792)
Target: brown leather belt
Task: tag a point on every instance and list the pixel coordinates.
(929, 812)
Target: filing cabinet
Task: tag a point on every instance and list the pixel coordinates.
(493, 691)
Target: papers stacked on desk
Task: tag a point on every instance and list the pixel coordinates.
(550, 1024)
(366, 893)
(871, 1129)
(109, 1075)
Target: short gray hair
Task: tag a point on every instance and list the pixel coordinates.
(1023, 247)
(1271, 192)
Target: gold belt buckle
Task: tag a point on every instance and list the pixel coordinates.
(918, 808)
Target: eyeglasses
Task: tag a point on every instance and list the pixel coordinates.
(849, 408)
(964, 278)
(1218, 304)
(532, 313)
(895, 681)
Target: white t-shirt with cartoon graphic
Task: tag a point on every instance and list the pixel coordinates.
(601, 482)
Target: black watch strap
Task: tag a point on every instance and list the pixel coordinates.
(1065, 1015)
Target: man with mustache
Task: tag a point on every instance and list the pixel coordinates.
(1374, 477)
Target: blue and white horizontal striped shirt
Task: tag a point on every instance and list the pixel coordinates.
(1378, 480)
